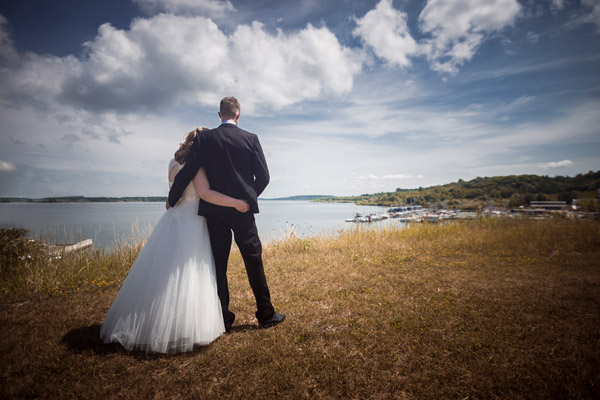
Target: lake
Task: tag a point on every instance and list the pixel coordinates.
(109, 223)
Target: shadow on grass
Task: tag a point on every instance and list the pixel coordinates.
(87, 339)
(243, 328)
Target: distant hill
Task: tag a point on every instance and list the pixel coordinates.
(303, 197)
(82, 199)
(500, 191)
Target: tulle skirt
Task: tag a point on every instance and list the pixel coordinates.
(168, 302)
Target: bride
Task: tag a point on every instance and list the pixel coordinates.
(168, 302)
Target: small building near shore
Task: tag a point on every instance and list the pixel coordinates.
(549, 205)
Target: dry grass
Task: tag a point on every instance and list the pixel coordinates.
(480, 309)
(33, 272)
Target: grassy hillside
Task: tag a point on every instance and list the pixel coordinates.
(490, 308)
(502, 191)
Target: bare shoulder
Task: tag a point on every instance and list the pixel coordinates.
(172, 163)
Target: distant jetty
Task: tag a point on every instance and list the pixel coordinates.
(61, 248)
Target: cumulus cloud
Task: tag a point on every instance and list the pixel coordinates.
(557, 164)
(7, 166)
(384, 29)
(458, 27)
(283, 69)
(167, 60)
(211, 7)
(453, 29)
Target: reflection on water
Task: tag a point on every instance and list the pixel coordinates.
(109, 223)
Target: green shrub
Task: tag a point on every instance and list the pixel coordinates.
(16, 249)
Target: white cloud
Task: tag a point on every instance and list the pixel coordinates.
(572, 125)
(385, 30)
(369, 177)
(396, 177)
(557, 164)
(521, 101)
(455, 30)
(380, 124)
(7, 166)
(594, 15)
(532, 37)
(517, 104)
(283, 69)
(557, 4)
(166, 60)
(458, 27)
(211, 7)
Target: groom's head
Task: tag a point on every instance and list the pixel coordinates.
(229, 109)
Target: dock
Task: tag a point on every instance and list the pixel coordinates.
(57, 249)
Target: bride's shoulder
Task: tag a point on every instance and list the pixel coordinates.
(172, 163)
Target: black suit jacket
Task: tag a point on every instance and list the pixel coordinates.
(235, 165)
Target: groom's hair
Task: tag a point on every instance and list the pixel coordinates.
(230, 107)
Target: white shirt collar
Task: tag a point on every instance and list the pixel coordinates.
(229, 121)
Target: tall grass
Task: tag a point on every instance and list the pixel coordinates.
(28, 270)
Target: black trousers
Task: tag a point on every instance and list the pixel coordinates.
(220, 228)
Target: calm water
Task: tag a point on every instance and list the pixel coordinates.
(107, 223)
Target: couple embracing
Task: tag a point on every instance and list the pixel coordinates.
(176, 294)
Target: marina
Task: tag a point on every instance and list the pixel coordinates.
(416, 213)
(411, 213)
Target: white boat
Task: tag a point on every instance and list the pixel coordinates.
(367, 218)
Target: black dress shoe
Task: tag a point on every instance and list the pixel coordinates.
(274, 320)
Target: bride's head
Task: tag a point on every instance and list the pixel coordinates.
(184, 147)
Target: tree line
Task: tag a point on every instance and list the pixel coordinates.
(500, 191)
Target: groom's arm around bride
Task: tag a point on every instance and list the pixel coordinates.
(235, 165)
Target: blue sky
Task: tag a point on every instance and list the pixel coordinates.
(347, 97)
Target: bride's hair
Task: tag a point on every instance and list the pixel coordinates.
(184, 147)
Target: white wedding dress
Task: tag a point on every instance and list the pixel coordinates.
(168, 302)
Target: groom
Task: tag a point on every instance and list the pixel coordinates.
(235, 166)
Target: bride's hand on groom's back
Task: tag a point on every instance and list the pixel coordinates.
(242, 206)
